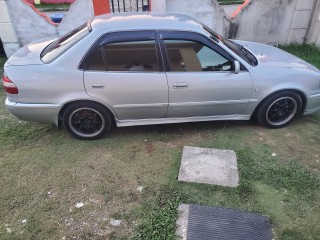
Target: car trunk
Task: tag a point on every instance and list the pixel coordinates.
(28, 54)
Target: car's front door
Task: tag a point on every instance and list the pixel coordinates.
(125, 71)
(201, 77)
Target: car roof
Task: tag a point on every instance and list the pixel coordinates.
(145, 21)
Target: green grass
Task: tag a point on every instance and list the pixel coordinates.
(230, 2)
(52, 7)
(38, 158)
(308, 52)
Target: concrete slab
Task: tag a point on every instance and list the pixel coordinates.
(182, 222)
(208, 165)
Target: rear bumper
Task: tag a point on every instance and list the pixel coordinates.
(34, 112)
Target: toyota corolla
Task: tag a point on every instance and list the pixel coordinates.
(141, 69)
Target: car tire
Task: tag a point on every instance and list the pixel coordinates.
(86, 120)
(279, 109)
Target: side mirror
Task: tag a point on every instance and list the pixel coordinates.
(236, 67)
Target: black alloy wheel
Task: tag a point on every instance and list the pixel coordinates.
(87, 120)
(279, 109)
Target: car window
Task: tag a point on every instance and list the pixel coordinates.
(135, 56)
(192, 56)
(238, 49)
(62, 44)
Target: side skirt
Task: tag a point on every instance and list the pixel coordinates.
(138, 122)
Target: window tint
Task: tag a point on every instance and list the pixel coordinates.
(95, 61)
(240, 50)
(191, 56)
(139, 56)
(62, 44)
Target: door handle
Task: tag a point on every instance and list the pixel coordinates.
(180, 85)
(97, 86)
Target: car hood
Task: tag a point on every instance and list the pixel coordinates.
(269, 56)
(29, 54)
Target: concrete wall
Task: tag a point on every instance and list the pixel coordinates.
(207, 11)
(28, 24)
(8, 33)
(158, 5)
(20, 24)
(314, 31)
(264, 21)
(73, 19)
(282, 21)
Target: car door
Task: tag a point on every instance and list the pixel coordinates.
(124, 70)
(201, 77)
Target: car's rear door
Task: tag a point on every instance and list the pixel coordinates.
(125, 71)
(201, 77)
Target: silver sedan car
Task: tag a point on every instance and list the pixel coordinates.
(141, 69)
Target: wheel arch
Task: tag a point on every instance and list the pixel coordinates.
(302, 96)
(66, 105)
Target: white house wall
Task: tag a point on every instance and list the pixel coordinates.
(8, 34)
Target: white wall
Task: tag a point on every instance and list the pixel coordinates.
(80, 12)
(314, 31)
(20, 24)
(28, 24)
(207, 11)
(8, 33)
(282, 21)
(264, 21)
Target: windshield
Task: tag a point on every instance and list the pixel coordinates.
(238, 49)
(62, 44)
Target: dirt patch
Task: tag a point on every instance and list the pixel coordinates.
(149, 147)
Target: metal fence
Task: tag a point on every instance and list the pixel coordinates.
(129, 6)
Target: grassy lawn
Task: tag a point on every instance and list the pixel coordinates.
(52, 7)
(44, 173)
(230, 2)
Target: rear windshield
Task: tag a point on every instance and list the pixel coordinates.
(62, 44)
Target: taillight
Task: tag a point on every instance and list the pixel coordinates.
(9, 85)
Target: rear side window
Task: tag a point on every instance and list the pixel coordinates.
(136, 56)
(62, 44)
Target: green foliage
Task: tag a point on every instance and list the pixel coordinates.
(308, 52)
(290, 176)
(230, 2)
(52, 7)
(159, 224)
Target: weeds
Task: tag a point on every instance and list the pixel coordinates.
(160, 223)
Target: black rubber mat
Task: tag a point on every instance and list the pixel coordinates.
(206, 223)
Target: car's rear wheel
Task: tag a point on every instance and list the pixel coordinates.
(86, 121)
(279, 109)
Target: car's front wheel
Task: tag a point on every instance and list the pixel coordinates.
(86, 121)
(279, 109)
